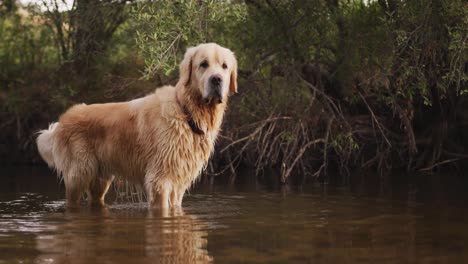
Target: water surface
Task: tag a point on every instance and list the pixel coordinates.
(423, 221)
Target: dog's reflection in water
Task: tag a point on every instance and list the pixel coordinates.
(179, 237)
(132, 236)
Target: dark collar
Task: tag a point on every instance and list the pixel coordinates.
(195, 128)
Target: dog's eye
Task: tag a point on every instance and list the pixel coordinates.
(204, 64)
(224, 66)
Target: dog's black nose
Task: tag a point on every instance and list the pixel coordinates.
(216, 80)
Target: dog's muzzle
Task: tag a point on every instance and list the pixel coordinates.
(215, 86)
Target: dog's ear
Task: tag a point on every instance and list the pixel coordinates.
(185, 68)
(233, 82)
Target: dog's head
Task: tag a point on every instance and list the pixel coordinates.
(211, 71)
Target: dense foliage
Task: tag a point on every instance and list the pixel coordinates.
(325, 85)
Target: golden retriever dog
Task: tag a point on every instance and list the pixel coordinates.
(162, 141)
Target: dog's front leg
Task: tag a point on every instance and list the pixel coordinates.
(177, 196)
(159, 195)
(164, 198)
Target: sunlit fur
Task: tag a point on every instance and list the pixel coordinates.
(146, 141)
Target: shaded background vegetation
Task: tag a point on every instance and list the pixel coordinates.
(326, 86)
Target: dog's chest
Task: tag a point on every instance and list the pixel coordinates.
(186, 154)
(196, 148)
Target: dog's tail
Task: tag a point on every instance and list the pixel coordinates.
(45, 143)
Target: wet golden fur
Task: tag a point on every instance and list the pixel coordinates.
(147, 140)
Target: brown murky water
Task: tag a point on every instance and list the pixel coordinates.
(410, 222)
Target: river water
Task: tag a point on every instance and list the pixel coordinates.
(422, 220)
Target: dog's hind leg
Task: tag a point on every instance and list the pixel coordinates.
(98, 189)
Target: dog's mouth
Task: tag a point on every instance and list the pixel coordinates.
(213, 99)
